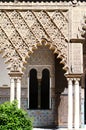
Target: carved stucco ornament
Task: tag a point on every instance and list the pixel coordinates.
(83, 34)
(23, 31)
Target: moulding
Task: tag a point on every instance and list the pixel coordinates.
(72, 75)
(74, 40)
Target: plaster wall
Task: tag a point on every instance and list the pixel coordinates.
(4, 77)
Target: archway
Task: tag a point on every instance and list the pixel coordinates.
(50, 77)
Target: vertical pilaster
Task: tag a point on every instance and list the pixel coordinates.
(70, 103)
(12, 89)
(77, 104)
(18, 92)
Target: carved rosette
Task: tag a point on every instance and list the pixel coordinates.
(22, 31)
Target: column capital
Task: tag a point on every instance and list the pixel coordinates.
(76, 79)
(15, 74)
(73, 75)
(70, 79)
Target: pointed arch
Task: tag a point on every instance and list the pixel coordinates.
(55, 50)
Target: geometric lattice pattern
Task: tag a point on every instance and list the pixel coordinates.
(22, 31)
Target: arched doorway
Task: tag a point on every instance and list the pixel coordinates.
(50, 86)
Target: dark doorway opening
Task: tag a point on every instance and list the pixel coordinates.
(45, 94)
(39, 90)
(33, 88)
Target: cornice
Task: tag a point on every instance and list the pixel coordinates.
(43, 5)
(34, 6)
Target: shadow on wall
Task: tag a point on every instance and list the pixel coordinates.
(60, 85)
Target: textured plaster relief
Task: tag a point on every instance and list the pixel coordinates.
(78, 16)
(38, 61)
(61, 20)
(76, 21)
(84, 59)
(83, 31)
(42, 56)
(29, 29)
(77, 61)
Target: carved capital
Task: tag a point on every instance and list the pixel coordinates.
(15, 74)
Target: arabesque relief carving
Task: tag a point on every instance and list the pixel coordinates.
(22, 31)
(84, 28)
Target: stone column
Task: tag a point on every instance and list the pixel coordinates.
(77, 104)
(18, 92)
(82, 108)
(70, 103)
(12, 89)
(15, 76)
(73, 110)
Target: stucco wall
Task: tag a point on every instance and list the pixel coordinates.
(4, 77)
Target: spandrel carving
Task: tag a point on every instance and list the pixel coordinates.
(22, 31)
